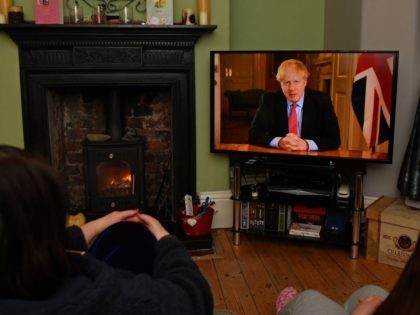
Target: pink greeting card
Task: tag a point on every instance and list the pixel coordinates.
(49, 11)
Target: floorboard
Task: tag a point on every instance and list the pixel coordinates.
(247, 278)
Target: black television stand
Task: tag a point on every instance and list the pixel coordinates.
(268, 196)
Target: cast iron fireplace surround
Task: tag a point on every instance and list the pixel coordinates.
(52, 56)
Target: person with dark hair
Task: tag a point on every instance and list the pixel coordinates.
(295, 118)
(47, 269)
(368, 300)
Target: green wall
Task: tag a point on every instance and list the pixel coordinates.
(343, 24)
(11, 131)
(275, 24)
(263, 24)
(241, 24)
(212, 169)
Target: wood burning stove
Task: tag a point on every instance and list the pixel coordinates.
(115, 178)
(114, 169)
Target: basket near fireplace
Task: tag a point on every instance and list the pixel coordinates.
(199, 224)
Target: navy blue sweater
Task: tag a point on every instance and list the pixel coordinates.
(92, 287)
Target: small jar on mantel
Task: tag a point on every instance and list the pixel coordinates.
(203, 10)
(15, 15)
(4, 7)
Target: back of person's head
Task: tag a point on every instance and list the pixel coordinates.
(33, 205)
(294, 65)
(404, 297)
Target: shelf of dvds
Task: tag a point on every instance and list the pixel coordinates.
(316, 202)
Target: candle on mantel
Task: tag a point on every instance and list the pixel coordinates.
(203, 8)
(4, 7)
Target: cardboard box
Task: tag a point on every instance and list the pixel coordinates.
(373, 215)
(160, 12)
(400, 226)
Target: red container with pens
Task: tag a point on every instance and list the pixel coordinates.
(199, 224)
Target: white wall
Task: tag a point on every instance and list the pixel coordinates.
(382, 25)
(394, 25)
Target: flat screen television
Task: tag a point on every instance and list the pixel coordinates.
(361, 85)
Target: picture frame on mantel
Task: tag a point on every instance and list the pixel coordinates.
(49, 12)
(160, 12)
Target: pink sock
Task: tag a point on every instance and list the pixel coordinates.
(284, 297)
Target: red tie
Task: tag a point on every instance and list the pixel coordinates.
(293, 123)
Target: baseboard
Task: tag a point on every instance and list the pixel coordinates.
(224, 207)
(223, 217)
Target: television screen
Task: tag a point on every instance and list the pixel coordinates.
(347, 108)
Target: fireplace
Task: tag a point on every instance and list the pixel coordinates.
(157, 59)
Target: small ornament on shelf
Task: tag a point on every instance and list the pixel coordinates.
(99, 14)
(126, 15)
(15, 15)
(76, 14)
(188, 16)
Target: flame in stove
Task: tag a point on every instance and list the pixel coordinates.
(121, 181)
(115, 179)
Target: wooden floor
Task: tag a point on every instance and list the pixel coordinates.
(247, 278)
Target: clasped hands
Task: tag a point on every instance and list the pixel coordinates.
(92, 229)
(292, 142)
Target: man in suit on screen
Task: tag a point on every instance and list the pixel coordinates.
(295, 118)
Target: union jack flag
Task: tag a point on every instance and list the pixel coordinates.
(371, 96)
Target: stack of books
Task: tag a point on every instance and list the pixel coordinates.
(305, 214)
(305, 229)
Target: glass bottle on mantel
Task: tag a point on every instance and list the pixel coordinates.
(203, 8)
(4, 7)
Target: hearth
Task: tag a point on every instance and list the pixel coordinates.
(54, 58)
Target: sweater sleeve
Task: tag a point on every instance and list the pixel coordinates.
(181, 286)
(174, 263)
(175, 286)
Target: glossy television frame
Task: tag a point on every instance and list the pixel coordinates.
(333, 72)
